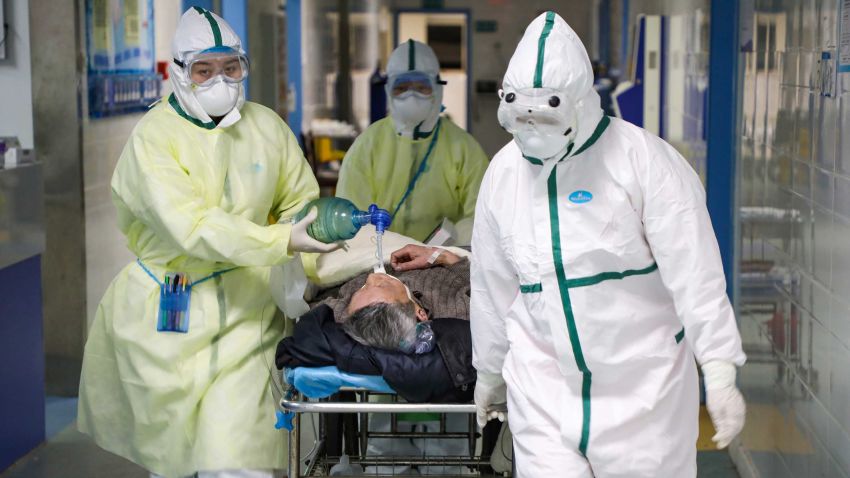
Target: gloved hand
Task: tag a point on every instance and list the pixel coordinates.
(300, 241)
(724, 401)
(490, 398)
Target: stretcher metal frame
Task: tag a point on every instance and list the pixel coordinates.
(320, 463)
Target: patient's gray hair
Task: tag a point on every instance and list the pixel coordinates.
(383, 325)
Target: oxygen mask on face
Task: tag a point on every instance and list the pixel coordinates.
(422, 342)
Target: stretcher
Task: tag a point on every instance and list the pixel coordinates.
(310, 390)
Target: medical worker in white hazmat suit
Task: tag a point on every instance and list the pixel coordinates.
(596, 279)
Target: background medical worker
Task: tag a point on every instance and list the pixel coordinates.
(416, 164)
(596, 279)
(194, 188)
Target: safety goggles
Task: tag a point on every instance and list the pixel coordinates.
(205, 67)
(545, 111)
(412, 83)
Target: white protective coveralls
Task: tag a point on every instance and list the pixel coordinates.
(596, 278)
(196, 197)
(382, 163)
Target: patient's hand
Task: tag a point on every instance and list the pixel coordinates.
(412, 257)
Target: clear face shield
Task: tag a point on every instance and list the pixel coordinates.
(547, 111)
(542, 120)
(204, 68)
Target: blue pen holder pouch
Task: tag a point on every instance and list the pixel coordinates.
(174, 302)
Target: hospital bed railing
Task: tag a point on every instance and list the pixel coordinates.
(319, 463)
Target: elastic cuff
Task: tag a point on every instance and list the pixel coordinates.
(283, 231)
(310, 261)
(492, 379)
(719, 374)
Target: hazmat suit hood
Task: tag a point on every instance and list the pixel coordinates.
(551, 55)
(200, 30)
(408, 57)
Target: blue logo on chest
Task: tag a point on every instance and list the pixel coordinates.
(580, 197)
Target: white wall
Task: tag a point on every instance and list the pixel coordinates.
(166, 15)
(15, 75)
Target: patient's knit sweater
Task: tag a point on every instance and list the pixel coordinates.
(444, 291)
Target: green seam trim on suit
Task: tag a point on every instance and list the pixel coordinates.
(216, 31)
(531, 288)
(600, 128)
(411, 56)
(680, 336)
(539, 162)
(534, 161)
(172, 100)
(564, 285)
(602, 277)
(568, 310)
(541, 49)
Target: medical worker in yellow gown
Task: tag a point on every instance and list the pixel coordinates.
(415, 163)
(194, 188)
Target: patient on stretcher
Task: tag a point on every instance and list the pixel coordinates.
(373, 325)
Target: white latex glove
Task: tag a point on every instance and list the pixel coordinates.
(300, 241)
(724, 401)
(490, 398)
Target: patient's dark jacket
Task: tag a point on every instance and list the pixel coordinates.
(443, 375)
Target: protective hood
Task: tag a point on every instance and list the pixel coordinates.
(414, 56)
(551, 55)
(200, 30)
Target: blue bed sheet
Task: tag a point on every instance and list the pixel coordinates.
(322, 382)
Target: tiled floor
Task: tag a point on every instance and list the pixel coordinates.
(70, 454)
(715, 464)
(61, 412)
(73, 455)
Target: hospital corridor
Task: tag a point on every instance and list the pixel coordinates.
(445, 238)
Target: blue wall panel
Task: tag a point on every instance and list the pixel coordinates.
(235, 12)
(22, 359)
(293, 65)
(723, 103)
(205, 4)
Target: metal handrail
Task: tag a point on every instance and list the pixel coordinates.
(335, 407)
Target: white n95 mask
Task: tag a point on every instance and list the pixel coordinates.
(218, 98)
(409, 112)
(539, 146)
